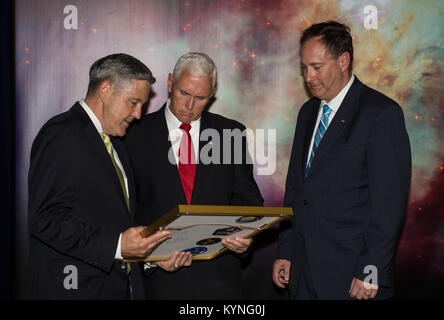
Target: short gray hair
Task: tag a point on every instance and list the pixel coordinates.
(198, 64)
(117, 68)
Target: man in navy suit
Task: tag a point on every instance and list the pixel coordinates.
(82, 194)
(347, 182)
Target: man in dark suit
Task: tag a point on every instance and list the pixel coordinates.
(81, 192)
(347, 182)
(167, 174)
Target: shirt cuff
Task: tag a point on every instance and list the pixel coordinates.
(119, 249)
(149, 265)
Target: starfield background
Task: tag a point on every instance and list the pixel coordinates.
(254, 44)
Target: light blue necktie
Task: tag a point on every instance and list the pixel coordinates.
(323, 125)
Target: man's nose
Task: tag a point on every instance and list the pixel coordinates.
(190, 103)
(138, 112)
(309, 75)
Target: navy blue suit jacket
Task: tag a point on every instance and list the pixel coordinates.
(350, 209)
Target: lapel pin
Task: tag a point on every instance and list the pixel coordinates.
(343, 121)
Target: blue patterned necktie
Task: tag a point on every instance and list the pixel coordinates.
(323, 125)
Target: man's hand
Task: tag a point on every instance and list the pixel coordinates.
(238, 244)
(133, 245)
(362, 290)
(177, 260)
(281, 272)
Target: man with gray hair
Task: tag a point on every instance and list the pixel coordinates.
(165, 150)
(81, 192)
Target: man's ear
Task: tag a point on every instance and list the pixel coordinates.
(170, 83)
(344, 61)
(105, 90)
(213, 92)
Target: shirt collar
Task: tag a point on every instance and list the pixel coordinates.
(92, 116)
(336, 102)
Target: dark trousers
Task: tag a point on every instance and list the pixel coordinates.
(305, 289)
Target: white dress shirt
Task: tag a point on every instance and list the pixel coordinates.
(334, 105)
(175, 133)
(98, 126)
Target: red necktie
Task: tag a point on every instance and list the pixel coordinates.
(187, 162)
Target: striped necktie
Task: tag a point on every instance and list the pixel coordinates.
(323, 125)
(109, 147)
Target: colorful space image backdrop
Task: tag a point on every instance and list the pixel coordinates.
(254, 43)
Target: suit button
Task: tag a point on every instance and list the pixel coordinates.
(305, 202)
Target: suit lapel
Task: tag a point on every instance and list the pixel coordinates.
(200, 167)
(160, 143)
(99, 150)
(342, 120)
(308, 132)
(124, 160)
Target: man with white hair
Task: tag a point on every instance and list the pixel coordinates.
(164, 181)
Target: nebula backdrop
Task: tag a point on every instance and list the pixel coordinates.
(255, 46)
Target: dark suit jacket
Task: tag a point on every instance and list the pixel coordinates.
(77, 211)
(349, 211)
(159, 189)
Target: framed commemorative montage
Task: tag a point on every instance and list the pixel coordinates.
(200, 229)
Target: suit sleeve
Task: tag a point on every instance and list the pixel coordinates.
(389, 172)
(245, 190)
(53, 188)
(287, 241)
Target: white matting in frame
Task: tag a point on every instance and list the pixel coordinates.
(200, 229)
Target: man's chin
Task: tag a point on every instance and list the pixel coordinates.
(119, 133)
(317, 93)
(125, 127)
(123, 132)
(185, 119)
